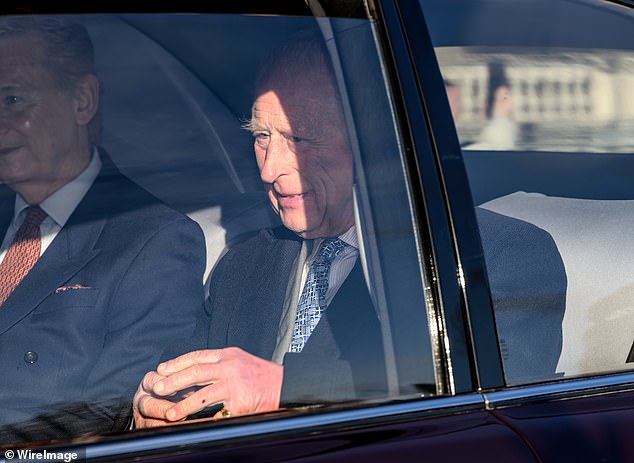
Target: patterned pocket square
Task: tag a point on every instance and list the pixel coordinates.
(62, 289)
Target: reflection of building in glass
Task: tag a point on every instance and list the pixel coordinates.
(563, 100)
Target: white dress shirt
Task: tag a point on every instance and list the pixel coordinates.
(59, 206)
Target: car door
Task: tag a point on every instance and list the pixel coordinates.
(563, 162)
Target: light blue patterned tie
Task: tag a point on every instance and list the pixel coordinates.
(312, 301)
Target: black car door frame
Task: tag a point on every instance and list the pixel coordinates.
(438, 172)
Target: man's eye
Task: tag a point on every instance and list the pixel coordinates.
(295, 139)
(261, 139)
(11, 99)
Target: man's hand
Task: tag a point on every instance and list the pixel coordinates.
(149, 410)
(243, 382)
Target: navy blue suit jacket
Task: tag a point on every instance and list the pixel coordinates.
(136, 266)
(343, 358)
(528, 286)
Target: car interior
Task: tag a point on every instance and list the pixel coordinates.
(173, 124)
(174, 100)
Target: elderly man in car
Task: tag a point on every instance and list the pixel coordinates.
(289, 320)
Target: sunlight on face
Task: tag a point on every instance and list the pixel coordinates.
(304, 155)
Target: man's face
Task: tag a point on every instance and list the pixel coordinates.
(38, 127)
(303, 154)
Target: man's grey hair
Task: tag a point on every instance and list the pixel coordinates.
(305, 52)
(70, 53)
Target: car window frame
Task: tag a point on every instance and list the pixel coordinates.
(464, 289)
(498, 393)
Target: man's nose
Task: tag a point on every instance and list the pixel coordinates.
(276, 160)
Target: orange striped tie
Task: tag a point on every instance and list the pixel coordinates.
(23, 252)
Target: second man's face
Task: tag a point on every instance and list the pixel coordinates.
(304, 156)
(38, 126)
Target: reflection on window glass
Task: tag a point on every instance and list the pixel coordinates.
(554, 100)
(212, 217)
(546, 126)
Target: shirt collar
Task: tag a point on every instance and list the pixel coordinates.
(349, 237)
(61, 204)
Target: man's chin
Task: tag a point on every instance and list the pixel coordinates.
(295, 221)
(300, 230)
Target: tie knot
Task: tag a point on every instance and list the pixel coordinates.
(34, 216)
(329, 249)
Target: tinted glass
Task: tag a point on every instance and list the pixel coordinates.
(131, 270)
(542, 96)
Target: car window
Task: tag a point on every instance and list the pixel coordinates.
(178, 132)
(541, 96)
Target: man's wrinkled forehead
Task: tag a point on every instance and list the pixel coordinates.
(23, 49)
(301, 97)
(22, 60)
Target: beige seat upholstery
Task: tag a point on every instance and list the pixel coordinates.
(596, 242)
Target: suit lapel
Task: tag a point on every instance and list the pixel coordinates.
(70, 251)
(7, 206)
(353, 292)
(349, 309)
(255, 323)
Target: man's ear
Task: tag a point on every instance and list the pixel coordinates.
(86, 99)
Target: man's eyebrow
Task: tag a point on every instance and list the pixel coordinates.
(9, 88)
(251, 126)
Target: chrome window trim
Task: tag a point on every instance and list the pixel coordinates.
(581, 387)
(224, 432)
(162, 443)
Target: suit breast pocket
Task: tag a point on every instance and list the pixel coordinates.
(67, 299)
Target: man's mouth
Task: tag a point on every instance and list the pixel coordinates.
(290, 200)
(8, 150)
